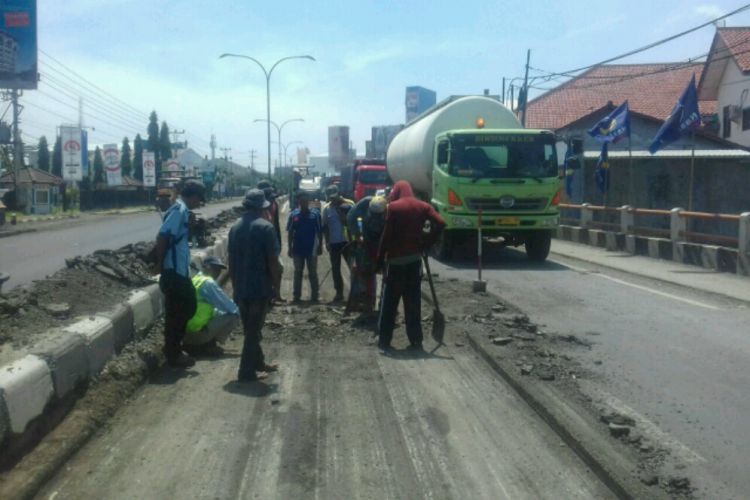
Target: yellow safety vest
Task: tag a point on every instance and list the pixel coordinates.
(205, 311)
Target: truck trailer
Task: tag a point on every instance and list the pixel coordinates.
(469, 155)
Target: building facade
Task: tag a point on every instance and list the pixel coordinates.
(418, 100)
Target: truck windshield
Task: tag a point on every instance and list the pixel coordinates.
(373, 177)
(503, 156)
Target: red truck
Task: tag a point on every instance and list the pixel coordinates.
(363, 178)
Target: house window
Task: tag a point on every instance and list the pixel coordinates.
(726, 123)
(746, 119)
(41, 196)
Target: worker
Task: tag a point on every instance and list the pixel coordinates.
(216, 314)
(253, 265)
(303, 229)
(406, 237)
(335, 231)
(365, 221)
(172, 262)
(273, 213)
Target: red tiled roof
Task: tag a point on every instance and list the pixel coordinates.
(27, 174)
(651, 90)
(737, 41)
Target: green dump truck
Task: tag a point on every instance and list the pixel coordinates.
(470, 155)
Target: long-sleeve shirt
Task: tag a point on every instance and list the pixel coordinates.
(214, 295)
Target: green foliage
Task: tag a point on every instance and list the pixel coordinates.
(98, 167)
(138, 157)
(126, 162)
(57, 158)
(165, 143)
(43, 158)
(153, 140)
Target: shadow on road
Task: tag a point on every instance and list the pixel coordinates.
(258, 389)
(503, 259)
(169, 376)
(409, 354)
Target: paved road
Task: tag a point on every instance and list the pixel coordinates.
(340, 421)
(675, 356)
(31, 256)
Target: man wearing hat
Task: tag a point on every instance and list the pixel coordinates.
(253, 269)
(273, 212)
(335, 234)
(173, 264)
(216, 314)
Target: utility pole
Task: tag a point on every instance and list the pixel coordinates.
(213, 146)
(252, 160)
(525, 89)
(226, 151)
(502, 99)
(80, 113)
(17, 144)
(175, 136)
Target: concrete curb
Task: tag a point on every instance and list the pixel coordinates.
(31, 387)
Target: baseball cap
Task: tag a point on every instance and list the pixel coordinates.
(212, 260)
(255, 198)
(193, 188)
(378, 204)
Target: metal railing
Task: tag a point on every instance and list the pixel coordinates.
(676, 224)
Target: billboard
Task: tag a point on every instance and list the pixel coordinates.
(70, 138)
(112, 164)
(18, 44)
(149, 169)
(418, 100)
(338, 145)
(381, 139)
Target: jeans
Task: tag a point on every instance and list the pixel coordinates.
(312, 273)
(336, 253)
(180, 304)
(253, 314)
(402, 281)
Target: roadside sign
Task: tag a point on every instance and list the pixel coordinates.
(112, 164)
(71, 153)
(149, 169)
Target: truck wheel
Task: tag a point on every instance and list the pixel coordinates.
(538, 244)
(443, 249)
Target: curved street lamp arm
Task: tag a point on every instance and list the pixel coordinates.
(291, 121)
(257, 120)
(311, 58)
(267, 73)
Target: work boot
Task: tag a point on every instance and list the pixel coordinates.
(181, 360)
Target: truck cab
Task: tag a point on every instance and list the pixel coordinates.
(368, 179)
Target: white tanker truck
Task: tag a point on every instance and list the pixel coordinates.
(470, 155)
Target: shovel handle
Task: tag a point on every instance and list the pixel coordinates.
(426, 260)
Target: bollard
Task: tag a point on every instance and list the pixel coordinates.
(677, 225)
(13, 219)
(587, 216)
(627, 218)
(479, 285)
(743, 245)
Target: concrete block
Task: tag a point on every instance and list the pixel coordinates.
(143, 311)
(597, 238)
(610, 241)
(157, 299)
(709, 256)
(579, 235)
(25, 389)
(66, 358)
(630, 243)
(688, 253)
(122, 325)
(98, 335)
(659, 248)
(728, 260)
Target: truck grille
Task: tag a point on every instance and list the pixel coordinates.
(495, 205)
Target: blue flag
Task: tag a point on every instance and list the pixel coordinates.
(614, 127)
(685, 116)
(601, 174)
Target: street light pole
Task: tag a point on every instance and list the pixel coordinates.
(268, 91)
(279, 128)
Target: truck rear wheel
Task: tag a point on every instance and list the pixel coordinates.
(538, 245)
(443, 249)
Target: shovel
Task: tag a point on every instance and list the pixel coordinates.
(438, 320)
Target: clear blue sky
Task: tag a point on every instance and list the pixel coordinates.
(163, 55)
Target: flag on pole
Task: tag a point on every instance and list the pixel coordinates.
(685, 117)
(601, 174)
(614, 127)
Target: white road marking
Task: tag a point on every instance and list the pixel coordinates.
(639, 287)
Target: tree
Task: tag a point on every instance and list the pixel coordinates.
(43, 158)
(138, 157)
(165, 144)
(126, 162)
(153, 140)
(98, 166)
(57, 158)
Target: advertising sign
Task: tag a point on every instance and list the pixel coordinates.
(149, 169)
(70, 138)
(172, 165)
(338, 146)
(112, 164)
(18, 44)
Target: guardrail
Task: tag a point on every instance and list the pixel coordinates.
(675, 226)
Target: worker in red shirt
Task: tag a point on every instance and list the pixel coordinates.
(406, 237)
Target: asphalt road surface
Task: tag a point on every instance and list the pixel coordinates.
(31, 256)
(674, 356)
(337, 421)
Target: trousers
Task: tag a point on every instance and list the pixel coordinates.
(180, 304)
(402, 281)
(253, 314)
(336, 253)
(312, 272)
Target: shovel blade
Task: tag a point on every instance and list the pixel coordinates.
(438, 327)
